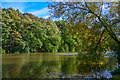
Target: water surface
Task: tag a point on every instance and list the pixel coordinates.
(54, 65)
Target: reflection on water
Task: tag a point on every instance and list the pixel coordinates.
(56, 66)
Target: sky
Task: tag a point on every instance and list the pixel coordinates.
(39, 9)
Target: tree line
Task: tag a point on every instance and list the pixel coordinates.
(26, 33)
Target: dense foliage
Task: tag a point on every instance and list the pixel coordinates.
(69, 42)
(25, 33)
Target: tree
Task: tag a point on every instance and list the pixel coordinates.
(69, 42)
(24, 33)
(98, 17)
(10, 34)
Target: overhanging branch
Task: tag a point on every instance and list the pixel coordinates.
(110, 31)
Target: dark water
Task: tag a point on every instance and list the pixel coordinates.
(46, 65)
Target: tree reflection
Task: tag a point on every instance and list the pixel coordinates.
(59, 66)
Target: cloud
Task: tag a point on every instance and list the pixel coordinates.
(46, 17)
(54, 19)
(42, 12)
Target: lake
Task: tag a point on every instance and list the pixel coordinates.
(56, 65)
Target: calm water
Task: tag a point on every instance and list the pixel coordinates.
(46, 65)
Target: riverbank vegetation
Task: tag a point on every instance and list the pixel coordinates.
(26, 33)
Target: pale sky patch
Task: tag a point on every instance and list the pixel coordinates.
(57, 19)
(41, 12)
(46, 17)
(103, 7)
